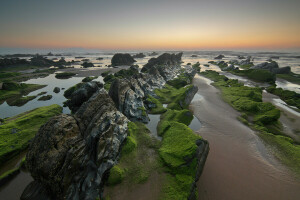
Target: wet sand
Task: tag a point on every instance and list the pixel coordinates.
(239, 166)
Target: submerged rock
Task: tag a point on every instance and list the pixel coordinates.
(74, 152)
(122, 59)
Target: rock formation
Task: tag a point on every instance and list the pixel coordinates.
(70, 154)
(219, 57)
(122, 59)
(139, 55)
(272, 67)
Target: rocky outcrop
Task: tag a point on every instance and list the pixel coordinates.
(81, 95)
(266, 65)
(272, 67)
(122, 59)
(127, 100)
(153, 54)
(70, 154)
(201, 154)
(139, 55)
(220, 57)
(189, 95)
(165, 59)
(282, 70)
(87, 64)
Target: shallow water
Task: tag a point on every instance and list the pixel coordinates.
(152, 125)
(15, 187)
(57, 98)
(239, 165)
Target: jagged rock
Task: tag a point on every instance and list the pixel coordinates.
(282, 70)
(129, 102)
(189, 96)
(122, 59)
(56, 90)
(153, 54)
(139, 55)
(74, 152)
(164, 59)
(246, 62)
(81, 95)
(12, 61)
(229, 68)
(41, 61)
(219, 57)
(202, 153)
(35, 191)
(266, 65)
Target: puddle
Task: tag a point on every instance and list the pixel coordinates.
(152, 125)
(195, 124)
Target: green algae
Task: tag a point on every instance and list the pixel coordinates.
(16, 132)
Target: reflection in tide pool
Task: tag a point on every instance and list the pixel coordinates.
(152, 125)
(57, 98)
(195, 124)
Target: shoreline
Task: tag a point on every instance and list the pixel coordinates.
(239, 165)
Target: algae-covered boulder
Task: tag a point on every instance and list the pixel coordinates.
(122, 59)
(70, 154)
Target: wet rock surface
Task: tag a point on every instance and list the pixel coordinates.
(74, 152)
(78, 97)
(71, 154)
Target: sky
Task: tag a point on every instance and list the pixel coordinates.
(150, 24)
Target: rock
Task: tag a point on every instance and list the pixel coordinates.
(45, 98)
(35, 191)
(74, 152)
(127, 101)
(189, 96)
(81, 95)
(202, 153)
(282, 70)
(153, 54)
(241, 57)
(219, 57)
(99, 58)
(266, 65)
(164, 59)
(40, 61)
(194, 56)
(56, 90)
(274, 57)
(87, 64)
(229, 68)
(122, 59)
(139, 55)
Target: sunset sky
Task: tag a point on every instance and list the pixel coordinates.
(150, 24)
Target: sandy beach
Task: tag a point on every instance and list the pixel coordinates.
(239, 166)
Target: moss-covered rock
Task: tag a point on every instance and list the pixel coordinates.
(116, 175)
